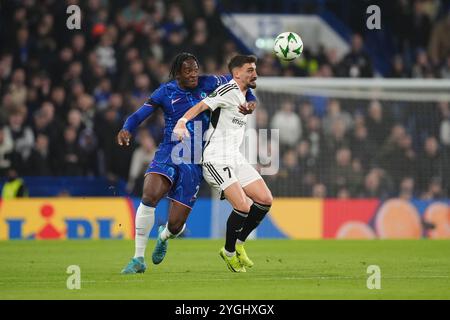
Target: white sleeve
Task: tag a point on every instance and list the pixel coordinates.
(215, 100)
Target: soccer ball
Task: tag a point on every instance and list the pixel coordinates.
(288, 46)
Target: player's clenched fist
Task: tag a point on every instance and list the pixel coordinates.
(180, 129)
(123, 137)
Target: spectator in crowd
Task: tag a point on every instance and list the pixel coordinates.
(378, 123)
(439, 45)
(261, 117)
(398, 68)
(373, 187)
(22, 136)
(17, 88)
(14, 186)
(102, 93)
(70, 155)
(6, 148)
(288, 123)
(40, 162)
(290, 171)
(343, 173)
(445, 70)
(444, 126)
(420, 25)
(140, 160)
(319, 190)
(406, 191)
(430, 163)
(422, 67)
(400, 161)
(315, 137)
(362, 148)
(337, 139)
(88, 145)
(116, 160)
(357, 63)
(334, 113)
(434, 190)
(74, 120)
(58, 98)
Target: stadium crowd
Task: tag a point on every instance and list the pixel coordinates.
(64, 95)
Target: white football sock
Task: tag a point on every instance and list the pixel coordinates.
(229, 254)
(166, 234)
(145, 218)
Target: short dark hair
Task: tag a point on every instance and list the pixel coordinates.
(178, 63)
(239, 60)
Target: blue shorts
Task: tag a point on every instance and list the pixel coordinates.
(185, 179)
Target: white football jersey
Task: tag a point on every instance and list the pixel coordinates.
(227, 126)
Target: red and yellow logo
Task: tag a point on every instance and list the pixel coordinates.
(66, 218)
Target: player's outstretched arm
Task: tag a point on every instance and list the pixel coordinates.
(133, 121)
(180, 129)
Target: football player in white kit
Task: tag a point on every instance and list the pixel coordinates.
(225, 167)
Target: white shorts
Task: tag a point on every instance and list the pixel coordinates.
(221, 176)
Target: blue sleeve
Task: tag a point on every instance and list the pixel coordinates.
(155, 101)
(227, 78)
(213, 81)
(136, 118)
(157, 97)
(250, 96)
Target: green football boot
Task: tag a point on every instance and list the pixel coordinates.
(242, 256)
(233, 262)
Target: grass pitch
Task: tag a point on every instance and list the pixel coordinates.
(284, 269)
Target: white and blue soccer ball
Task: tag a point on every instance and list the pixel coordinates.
(288, 46)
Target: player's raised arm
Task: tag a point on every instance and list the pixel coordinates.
(180, 129)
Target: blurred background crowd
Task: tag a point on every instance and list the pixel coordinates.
(64, 94)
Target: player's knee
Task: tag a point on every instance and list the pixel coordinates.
(242, 206)
(265, 198)
(175, 226)
(150, 199)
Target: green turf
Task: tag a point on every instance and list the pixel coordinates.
(284, 269)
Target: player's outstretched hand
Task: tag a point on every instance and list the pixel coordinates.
(181, 131)
(124, 137)
(247, 108)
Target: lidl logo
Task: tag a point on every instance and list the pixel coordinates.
(74, 218)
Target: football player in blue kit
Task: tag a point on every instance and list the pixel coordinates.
(169, 174)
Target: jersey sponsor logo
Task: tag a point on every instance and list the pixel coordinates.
(239, 122)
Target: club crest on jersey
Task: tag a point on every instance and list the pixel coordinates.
(212, 95)
(203, 95)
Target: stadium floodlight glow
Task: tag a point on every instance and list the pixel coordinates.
(260, 43)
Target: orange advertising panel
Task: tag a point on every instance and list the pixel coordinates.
(298, 218)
